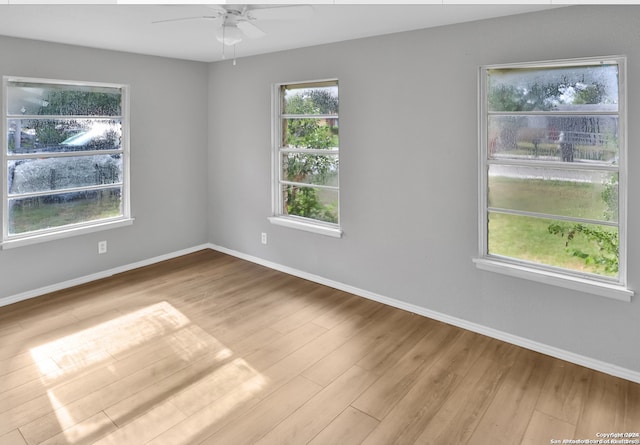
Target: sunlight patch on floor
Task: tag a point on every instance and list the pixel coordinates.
(84, 348)
(236, 382)
(186, 411)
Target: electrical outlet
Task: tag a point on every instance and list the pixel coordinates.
(102, 247)
(264, 238)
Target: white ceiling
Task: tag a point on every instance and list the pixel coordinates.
(131, 28)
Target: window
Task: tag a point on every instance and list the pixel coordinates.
(553, 172)
(306, 157)
(65, 159)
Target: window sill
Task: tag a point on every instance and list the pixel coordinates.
(556, 279)
(59, 234)
(332, 231)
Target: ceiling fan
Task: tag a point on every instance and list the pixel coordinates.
(238, 21)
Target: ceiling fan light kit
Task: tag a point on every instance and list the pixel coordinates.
(239, 20)
(229, 34)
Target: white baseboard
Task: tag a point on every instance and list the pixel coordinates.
(96, 276)
(552, 351)
(542, 348)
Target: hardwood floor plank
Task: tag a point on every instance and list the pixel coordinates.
(83, 433)
(321, 300)
(382, 396)
(460, 355)
(14, 363)
(136, 404)
(460, 414)
(253, 341)
(210, 419)
(298, 361)
(268, 308)
(285, 345)
(17, 415)
(632, 408)
(217, 383)
(564, 391)
(385, 354)
(12, 438)
(38, 398)
(213, 349)
(250, 427)
(39, 329)
(67, 396)
(350, 427)
(9, 327)
(375, 332)
(349, 307)
(544, 428)
(314, 351)
(311, 418)
(92, 403)
(409, 417)
(508, 415)
(253, 310)
(149, 425)
(604, 408)
(31, 373)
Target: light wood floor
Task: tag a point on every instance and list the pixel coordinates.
(210, 349)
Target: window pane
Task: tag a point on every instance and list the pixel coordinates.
(311, 100)
(310, 133)
(63, 135)
(585, 194)
(61, 209)
(577, 247)
(557, 138)
(310, 168)
(308, 150)
(45, 174)
(28, 98)
(310, 202)
(573, 88)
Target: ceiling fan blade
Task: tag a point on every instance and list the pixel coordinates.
(182, 19)
(218, 9)
(250, 30)
(281, 12)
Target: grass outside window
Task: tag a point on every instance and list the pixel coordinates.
(553, 151)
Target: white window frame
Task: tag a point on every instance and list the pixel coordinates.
(589, 283)
(16, 240)
(278, 217)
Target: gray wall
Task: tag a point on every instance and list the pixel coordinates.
(168, 162)
(409, 171)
